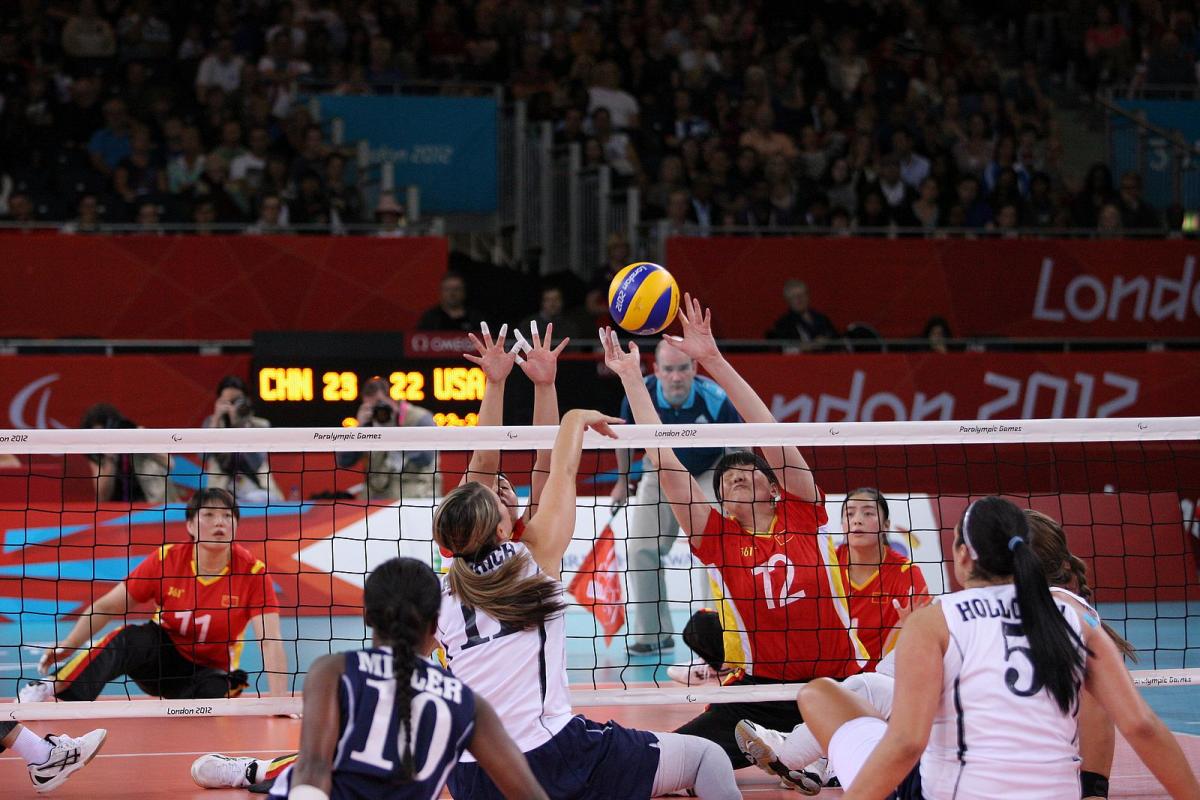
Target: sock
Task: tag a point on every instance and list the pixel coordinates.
(270, 769)
(799, 749)
(31, 747)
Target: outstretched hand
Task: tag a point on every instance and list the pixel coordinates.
(495, 362)
(697, 340)
(540, 362)
(52, 656)
(626, 365)
(600, 422)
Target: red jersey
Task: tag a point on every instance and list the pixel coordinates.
(871, 609)
(781, 602)
(205, 617)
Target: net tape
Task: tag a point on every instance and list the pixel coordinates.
(525, 438)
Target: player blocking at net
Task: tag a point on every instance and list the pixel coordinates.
(503, 629)
(783, 611)
(988, 682)
(388, 722)
(206, 594)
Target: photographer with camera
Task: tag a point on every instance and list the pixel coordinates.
(246, 475)
(392, 475)
(127, 477)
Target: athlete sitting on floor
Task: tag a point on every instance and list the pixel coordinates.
(784, 615)
(390, 723)
(796, 757)
(206, 594)
(53, 759)
(988, 686)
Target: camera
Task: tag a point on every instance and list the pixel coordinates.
(382, 413)
(243, 407)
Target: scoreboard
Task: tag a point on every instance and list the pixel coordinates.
(316, 379)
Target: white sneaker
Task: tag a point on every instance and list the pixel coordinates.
(67, 756)
(215, 771)
(760, 745)
(696, 674)
(36, 692)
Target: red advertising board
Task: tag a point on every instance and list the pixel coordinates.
(1015, 288)
(214, 287)
(864, 388)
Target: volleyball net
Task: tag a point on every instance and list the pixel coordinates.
(321, 507)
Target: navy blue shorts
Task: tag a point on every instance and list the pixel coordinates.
(584, 761)
(910, 787)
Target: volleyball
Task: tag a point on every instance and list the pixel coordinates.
(643, 298)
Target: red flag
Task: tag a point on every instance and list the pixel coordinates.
(597, 586)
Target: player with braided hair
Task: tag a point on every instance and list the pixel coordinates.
(387, 722)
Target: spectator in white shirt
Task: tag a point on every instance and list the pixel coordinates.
(247, 169)
(606, 92)
(222, 68)
(279, 72)
(914, 167)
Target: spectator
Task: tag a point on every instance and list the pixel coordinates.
(204, 217)
(813, 159)
(247, 168)
(280, 71)
(246, 475)
(143, 34)
(1096, 193)
(215, 187)
(682, 398)
(1106, 47)
(272, 216)
(140, 175)
(937, 335)
(1041, 209)
(976, 211)
(345, 202)
(552, 311)
(21, 209)
(87, 36)
(973, 153)
(687, 124)
(1169, 64)
(399, 474)
(126, 477)
(801, 321)
(925, 212)
(874, 212)
(186, 168)
(840, 186)
(88, 219)
(148, 217)
(1108, 220)
(1008, 220)
(389, 215)
(111, 144)
(606, 92)
(845, 66)
(451, 313)
(895, 191)
(914, 167)
(1004, 159)
(617, 146)
(764, 140)
(221, 68)
(1136, 214)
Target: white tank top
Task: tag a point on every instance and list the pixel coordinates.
(523, 674)
(984, 732)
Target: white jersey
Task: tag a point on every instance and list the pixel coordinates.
(990, 722)
(523, 674)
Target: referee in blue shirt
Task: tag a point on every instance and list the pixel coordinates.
(682, 398)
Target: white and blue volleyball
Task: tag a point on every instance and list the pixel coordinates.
(643, 298)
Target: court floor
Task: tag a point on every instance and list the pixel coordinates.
(145, 759)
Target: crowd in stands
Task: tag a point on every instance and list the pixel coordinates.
(842, 114)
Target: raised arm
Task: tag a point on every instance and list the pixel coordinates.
(496, 365)
(550, 530)
(114, 603)
(540, 364)
(683, 493)
(698, 342)
(319, 733)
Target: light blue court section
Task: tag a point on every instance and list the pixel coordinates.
(1167, 636)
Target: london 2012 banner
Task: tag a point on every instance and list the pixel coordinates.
(445, 145)
(983, 288)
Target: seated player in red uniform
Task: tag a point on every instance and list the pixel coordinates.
(784, 615)
(879, 580)
(205, 595)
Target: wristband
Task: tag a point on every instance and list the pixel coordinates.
(1093, 784)
(306, 792)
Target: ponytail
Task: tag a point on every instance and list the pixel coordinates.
(401, 600)
(487, 574)
(996, 534)
(1054, 648)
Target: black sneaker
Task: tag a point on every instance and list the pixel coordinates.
(650, 648)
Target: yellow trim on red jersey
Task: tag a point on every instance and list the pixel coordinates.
(212, 579)
(858, 587)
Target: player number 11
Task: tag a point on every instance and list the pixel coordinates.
(185, 619)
